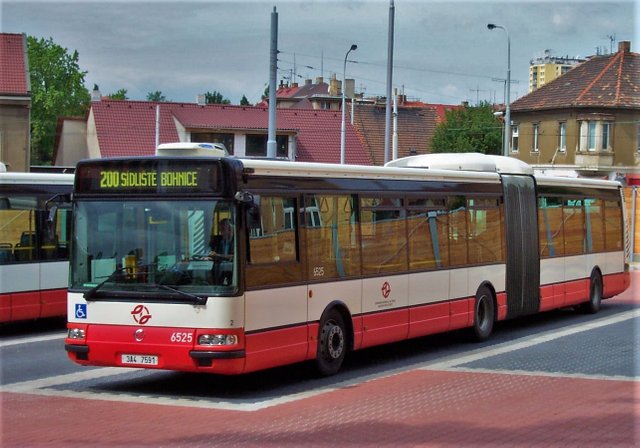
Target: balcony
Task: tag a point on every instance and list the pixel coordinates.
(594, 160)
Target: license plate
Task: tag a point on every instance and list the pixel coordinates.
(142, 360)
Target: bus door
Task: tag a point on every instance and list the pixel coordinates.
(523, 259)
(275, 294)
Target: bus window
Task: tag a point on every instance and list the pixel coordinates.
(145, 245)
(384, 235)
(273, 247)
(458, 249)
(331, 237)
(574, 235)
(594, 220)
(18, 229)
(613, 226)
(427, 231)
(551, 234)
(485, 223)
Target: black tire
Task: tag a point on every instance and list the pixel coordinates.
(484, 312)
(595, 295)
(332, 343)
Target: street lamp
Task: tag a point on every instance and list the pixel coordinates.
(507, 115)
(344, 79)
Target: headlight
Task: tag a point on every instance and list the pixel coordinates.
(217, 339)
(75, 333)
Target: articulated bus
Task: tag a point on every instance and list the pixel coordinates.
(34, 268)
(325, 259)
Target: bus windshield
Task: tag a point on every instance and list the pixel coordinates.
(170, 249)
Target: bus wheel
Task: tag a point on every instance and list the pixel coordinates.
(332, 343)
(484, 314)
(595, 295)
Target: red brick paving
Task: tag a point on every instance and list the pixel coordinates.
(411, 409)
(416, 408)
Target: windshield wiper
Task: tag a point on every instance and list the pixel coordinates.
(198, 300)
(91, 294)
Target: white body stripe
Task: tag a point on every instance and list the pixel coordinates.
(23, 277)
(217, 313)
(276, 307)
(428, 287)
(558, 270)
(348, 291)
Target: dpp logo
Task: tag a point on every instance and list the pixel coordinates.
(141, 314)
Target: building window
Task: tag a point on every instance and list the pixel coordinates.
(535, 130)
(214, 137)
(514, 138)
(595, 135)
(562, 137)
(606, 132)
(257, 146)
(591, 136)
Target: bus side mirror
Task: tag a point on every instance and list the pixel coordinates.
(252, 206)
(244, 197)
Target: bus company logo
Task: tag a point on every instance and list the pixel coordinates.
(386, 290)
(141, 314)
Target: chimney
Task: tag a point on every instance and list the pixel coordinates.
(201, 100)
(624, 46)
(334, 86)
(319, 80)
(349, 87)
(95, 93)
(308, 82)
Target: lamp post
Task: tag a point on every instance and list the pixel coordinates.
(344, 79)
(507, 115)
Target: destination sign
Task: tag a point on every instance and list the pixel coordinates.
(148, 177)
(115, 179)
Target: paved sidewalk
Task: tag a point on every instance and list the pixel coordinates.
(416, 408)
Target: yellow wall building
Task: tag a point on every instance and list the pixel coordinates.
(547, 68)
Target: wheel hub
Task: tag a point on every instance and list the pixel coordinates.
(335, 341)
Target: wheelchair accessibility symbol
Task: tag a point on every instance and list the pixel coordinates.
(81, 310)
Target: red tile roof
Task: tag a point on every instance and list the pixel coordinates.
(416, 126)
(602, 81)
(14, 74)
(127, 128)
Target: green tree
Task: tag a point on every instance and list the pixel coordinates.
(244, 101)
(469, 129)
(119, 95)
(57, 90)
(215, 98)
(156, 96)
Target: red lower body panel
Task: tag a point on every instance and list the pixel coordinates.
(576, 292)
(615, 284)
(30, 305)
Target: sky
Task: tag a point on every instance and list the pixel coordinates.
(442, 50)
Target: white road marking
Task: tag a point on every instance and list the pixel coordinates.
(526, 342)
(45, 386)
(31, 340)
